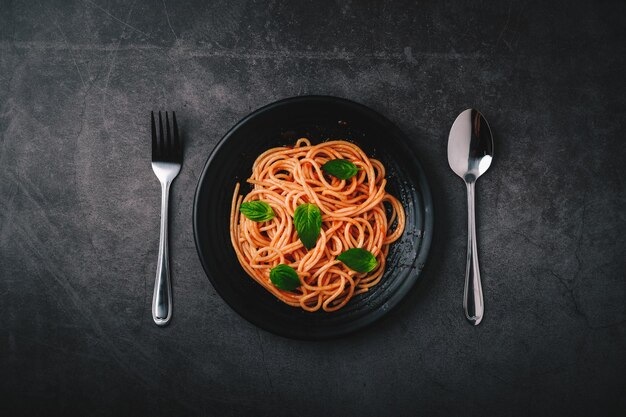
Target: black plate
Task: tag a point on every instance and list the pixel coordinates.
(282, 123)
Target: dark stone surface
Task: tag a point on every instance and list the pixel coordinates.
(79, 206)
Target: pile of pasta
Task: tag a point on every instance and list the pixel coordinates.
(355, 212)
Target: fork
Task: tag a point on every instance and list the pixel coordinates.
(167, 159)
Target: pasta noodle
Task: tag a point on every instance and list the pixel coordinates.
(356, 213)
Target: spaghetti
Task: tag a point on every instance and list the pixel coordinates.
(356, 213)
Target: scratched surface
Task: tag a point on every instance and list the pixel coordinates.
(79, 206)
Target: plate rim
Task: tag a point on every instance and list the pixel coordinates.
(427, 233)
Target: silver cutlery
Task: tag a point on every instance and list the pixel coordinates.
(470, 151)
(167, 159)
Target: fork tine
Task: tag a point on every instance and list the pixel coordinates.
(154, 137)
(177, 145)
(161, 138)
(168, 137)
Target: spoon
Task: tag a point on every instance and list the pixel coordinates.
(470, 150)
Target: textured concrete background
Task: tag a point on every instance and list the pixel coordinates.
(79, 206)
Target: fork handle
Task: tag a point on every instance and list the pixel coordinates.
(162, 297)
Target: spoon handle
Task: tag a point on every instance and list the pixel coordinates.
(473, 295)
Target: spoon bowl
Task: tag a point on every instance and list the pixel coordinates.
(470, 145)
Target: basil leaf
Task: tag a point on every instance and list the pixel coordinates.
(340, 168)
(308, 222)
(285, 277)
(257, 211)
(358, 260)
